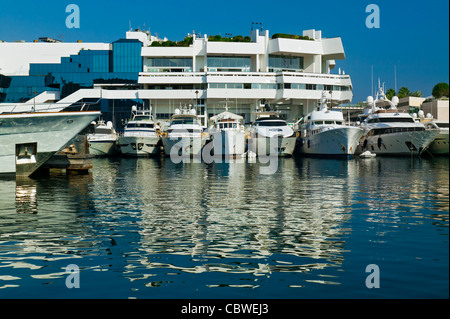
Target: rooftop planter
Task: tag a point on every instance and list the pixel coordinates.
(185, 43)
(238, 38)
(290, 36)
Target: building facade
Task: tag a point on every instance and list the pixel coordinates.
(288, 73)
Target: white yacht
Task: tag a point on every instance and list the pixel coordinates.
(227, 133)
(271, 135)
(440, 145)
(184, 135)
(323, 132)
(390, 132)
(28, 140)
(103, 141)
(140, 137)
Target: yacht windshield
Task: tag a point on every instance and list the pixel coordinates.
(392, 120)
(141, 125)
(186, 120)
(103, 131)
(271, 123)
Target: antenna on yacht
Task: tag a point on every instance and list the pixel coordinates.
(395, 79)
(372, 80)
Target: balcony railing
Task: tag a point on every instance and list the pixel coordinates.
(246, 74)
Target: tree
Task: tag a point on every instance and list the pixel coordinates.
(390, 93)
(416, 93)
(403, 92)
(440, 90)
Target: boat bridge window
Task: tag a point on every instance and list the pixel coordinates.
(327, 122)
(141, 125)
(228, 125)
(181, 131)
(391, 130)
(442, 125)
(271, 123)
(391, 120)
(187, 120)
(103, 131)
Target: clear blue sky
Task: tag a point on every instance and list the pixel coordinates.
(413, 35)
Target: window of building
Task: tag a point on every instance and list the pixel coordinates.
(169, 64)
(279, 63)
(229, 63)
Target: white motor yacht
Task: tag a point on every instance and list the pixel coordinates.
(103, 141)
(227, 134)
(184, 135)
(28, 140)
(270, 135)
(323, 132)
(391, 132)
(440, 145)
(140, 137)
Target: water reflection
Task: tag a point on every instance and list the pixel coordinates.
(230, 219)
(154, 223)
(26, 199)
(39, 226)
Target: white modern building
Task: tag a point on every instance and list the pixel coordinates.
(287, 73)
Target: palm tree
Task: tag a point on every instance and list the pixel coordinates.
(390, 93)
(403, 92)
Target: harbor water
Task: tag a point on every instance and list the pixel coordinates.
(148, 228)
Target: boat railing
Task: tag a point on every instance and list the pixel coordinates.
(49, 107)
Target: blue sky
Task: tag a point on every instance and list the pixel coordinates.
(413, 36)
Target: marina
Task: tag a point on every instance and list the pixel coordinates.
(222, 166)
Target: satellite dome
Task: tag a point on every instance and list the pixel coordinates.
(370, 99)
(395, 100)
(177, 111)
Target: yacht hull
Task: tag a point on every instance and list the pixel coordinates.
(28, 140)
(440, 145)
(229, 143)
(398, 144)
(102, 147)
(139, 145)
(179, 146)
(275, 146)
(338, 141)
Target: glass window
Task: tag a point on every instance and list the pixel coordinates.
(271, 123)
(285, 62)
(230, 62)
